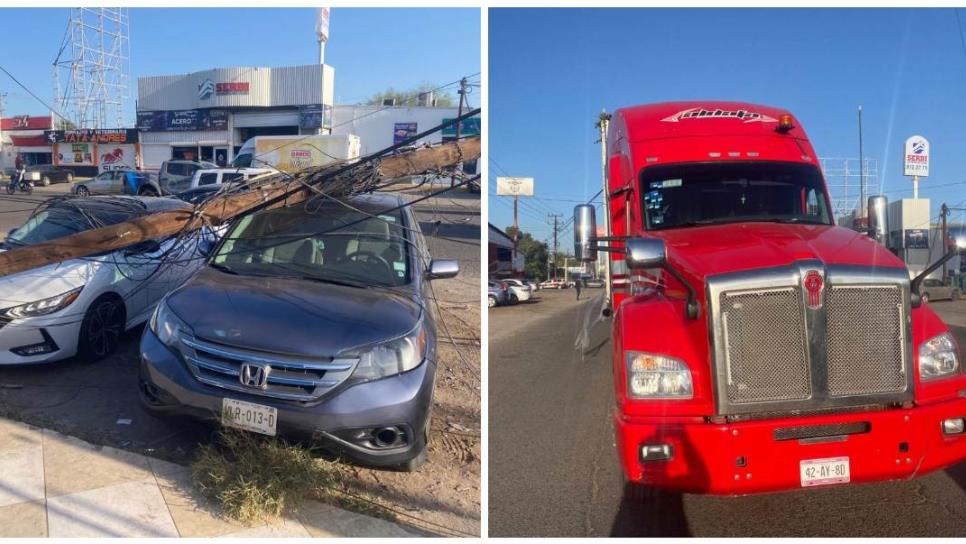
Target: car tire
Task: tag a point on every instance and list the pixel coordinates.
(514, 300)
(45, 181)
(101, 328)
(491, 302)
(70, 177)
(82, 191)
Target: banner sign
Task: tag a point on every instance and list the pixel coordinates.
(314, 116)
(116, 157)
(917, 239)
(75, 154)
(402, 132)
(181, 120)
(97, 136)
(468, 127)
(916, 162)
(506, 186)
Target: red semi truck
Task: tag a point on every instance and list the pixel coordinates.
(757, 346)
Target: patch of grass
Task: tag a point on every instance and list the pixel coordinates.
(254, 477)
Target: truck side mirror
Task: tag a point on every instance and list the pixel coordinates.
(443, 268)
(643, 253)
(585, 229)
(878, 219)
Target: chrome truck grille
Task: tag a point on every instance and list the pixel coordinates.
(809, 337)
(280, 376)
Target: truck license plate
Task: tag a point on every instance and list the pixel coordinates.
(834, 470)
(249, 416)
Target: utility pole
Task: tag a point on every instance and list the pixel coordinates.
(554, 216)
(452, 179)
(862, 204)
(603, 122)
(943, 213)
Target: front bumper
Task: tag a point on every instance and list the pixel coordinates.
(746, 457)
(403, 400)
(59, 341)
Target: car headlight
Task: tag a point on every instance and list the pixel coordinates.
(43, 306)
(651, 376)
(937, 357)
(392, 357)
(166, 325)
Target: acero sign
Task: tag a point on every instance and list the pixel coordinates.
(916, 161)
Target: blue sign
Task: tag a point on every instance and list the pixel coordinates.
(181, 120)
(402, 132)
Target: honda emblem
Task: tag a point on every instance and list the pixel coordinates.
(253, 375)
(813, 284)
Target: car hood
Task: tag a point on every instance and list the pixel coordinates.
(717, 249)
(290, 316)
(44, 282)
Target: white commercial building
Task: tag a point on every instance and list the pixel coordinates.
(208, 115)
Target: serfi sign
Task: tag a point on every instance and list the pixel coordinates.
(916, 161)
(514, 186)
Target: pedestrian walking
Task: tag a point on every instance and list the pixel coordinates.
(577, 287)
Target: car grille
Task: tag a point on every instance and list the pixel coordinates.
(288, 377)
(775, 353)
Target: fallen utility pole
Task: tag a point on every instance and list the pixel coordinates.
(279, 189)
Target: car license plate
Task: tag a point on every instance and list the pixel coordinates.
(834, 470)
(249, 416)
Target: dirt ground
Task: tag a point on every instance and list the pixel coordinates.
(443, 497)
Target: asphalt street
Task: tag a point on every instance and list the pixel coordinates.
(553, 469)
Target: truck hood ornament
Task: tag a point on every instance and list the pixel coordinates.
(813, 283)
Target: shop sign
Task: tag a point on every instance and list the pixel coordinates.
(916, 239)
(97, 136)
(173, 121)
(402, 132)
(315, 116)
(468, 127)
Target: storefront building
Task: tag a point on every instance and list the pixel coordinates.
(24, 135)
(379, 127)
(89, 151)
(208, 115)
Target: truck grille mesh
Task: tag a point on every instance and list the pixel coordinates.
(765, 346)
(863, 351)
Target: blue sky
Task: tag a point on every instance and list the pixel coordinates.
(371, 49)
(552, 71)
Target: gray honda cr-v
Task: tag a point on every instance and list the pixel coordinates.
(313, 321)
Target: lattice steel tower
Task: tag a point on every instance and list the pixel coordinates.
(92, 68)
(846, 181)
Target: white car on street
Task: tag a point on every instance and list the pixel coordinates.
(519, 291)
(214, 176)
(82, 306)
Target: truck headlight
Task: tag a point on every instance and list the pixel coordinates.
(166, 325)
(651, 376)
(43, 306)
(937, 357)
(392, 357)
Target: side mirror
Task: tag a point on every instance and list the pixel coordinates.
(443, 268)
(643, 253)
(878, 219)
(206, 246)
(585, 229)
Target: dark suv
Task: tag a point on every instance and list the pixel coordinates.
(313, 321)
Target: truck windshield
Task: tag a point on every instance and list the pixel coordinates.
(685, 195)
(243, 160)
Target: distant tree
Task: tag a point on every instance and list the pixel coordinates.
(410, 97)
(534, 252)
(65, 124)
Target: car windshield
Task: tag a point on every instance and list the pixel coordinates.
(51, 223)
(731, 192)
(329, 243)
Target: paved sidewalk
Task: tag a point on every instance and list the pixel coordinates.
(58, 486)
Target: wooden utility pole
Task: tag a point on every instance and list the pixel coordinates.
(275, 186)
(462, 93)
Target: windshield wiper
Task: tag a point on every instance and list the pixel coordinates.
(333, 281)
(223, 268)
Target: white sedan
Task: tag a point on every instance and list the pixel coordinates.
(519, 291)
(82, 306)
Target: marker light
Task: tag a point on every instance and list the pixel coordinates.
(785, 123)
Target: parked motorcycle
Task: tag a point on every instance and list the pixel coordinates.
(19, 180)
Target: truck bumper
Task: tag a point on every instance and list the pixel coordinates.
(750, 457)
